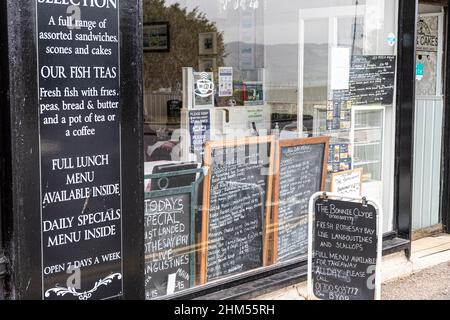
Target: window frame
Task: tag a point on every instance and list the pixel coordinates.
(281, 275)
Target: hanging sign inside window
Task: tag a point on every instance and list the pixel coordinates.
(300, 172)
(340, 72)
(372, 79)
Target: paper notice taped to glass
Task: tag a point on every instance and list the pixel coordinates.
(340, 68)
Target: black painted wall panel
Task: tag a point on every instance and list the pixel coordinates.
(20, 167)
(405, 117)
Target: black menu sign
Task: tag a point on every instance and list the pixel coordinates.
(79, 111)
(301, 173)
(168, 263)
(372, 79)
(344, 251)
(236, 193)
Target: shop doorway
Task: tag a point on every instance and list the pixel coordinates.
(430, 66)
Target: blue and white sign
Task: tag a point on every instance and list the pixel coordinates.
(199, 130)
(392, 39)
(225, 82)
(419, 71)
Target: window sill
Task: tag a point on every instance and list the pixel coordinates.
(253, 288)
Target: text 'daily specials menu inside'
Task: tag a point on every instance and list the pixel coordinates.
(79, 112)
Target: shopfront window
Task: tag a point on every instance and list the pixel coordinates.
(348, 71)
(251, 106)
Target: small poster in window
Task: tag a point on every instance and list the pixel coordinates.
(253, 94)
(225, 82)
(347, 183)
(340, 72)
(339, 157)
(199, 130)
(339, 111)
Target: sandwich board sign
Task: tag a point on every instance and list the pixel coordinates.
(345, 246)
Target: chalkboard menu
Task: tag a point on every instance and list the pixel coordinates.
(301, 172)
(168, 256)
(237, 195)
(372, 79)
(79, 132)
(344, 250)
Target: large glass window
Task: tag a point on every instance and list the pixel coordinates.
(251, 106)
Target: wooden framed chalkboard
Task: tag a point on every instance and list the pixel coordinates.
(300, 172)
(236, 206)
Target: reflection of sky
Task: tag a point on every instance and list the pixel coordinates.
(281, 18)
(276, 33)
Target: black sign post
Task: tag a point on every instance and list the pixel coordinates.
(345, 245)
(76, 200)
(79, 88)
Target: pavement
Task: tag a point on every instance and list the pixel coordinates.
(426, 276)
(429, 284)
